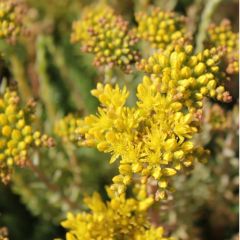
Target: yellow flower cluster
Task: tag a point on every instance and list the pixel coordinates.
(119, 218)
(223, 36)
(11, 15)
(153, 234)
(17, 135)
(66, 128)
(185, 76)
(161, 28)
(153, 139)
(107, 36)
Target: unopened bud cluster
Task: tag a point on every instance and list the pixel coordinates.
(161, 28)
(219, 120)
(119, 218)
(17, 134)
(223, 36)
(66, 128)
(11, 16)
(185, 76)
(106, 35)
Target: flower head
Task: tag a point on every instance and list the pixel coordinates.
(66, 128)
(106, 35)
(119, 218)
(161, 28)
(223, 36)
(153, 234)
(153, 140)
(186, 76)
(17, 134)
(11, 18)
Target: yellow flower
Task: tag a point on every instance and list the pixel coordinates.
(106, 35)
(153, 234)
(153, 140)
(66, 128)
(119, 218)
(17, 135)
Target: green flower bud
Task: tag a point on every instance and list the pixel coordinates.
(106, 35)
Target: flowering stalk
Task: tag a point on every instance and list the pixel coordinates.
(19, 73)
(206, 18)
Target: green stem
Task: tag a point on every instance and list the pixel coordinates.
(206, 18)
(60, 62)
(108, 75)
(46, 91)
(74, 76)
(20, 76)
(51, 186)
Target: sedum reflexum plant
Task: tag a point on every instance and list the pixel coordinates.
(154, 139)
(156, 122)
